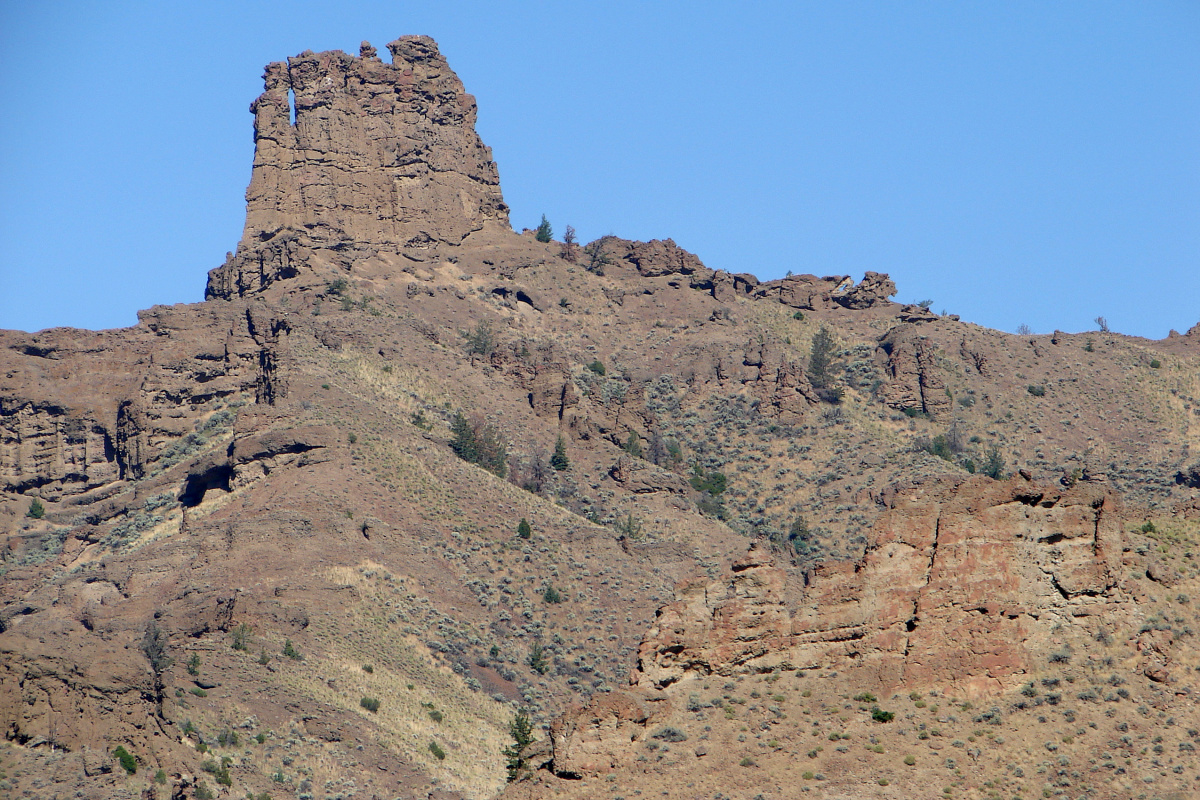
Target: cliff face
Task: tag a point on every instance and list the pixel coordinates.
(960, 586)
(358, 161)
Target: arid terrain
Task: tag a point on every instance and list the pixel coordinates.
(407, 474)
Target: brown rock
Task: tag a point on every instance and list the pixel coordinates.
(595, 738)
(380, 158)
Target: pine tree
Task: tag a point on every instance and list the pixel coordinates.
(524, 529)
(820, 358)
(544, 232)
(521, 730)
(559, 459)
(633, 445)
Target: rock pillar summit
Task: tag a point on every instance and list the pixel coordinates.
(358, 164)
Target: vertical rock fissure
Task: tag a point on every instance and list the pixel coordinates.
(911, 624)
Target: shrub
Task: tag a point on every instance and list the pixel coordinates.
(160, 777)
(128, 762)
(524, 530)
(993, 467)
(879, 715)
(559, 460)
(633, 445)
(437, 751)
(241, 636)
(36, 509)
(369, 669)
(909, 760)
(544, 232)
(1036, 391)
(481, 341)
(668, 733)
(193, 664)
(203, 792)
(290, 651)
(196, 690)
(597, 367)
(865, 697)
(798, 315)
(1155, 363)
(537, 659)
(552, 595)
(370, 704)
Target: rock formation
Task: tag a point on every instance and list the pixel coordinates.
(960, 584)
(357, 164)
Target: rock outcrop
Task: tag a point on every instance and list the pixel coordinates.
(357, 163)
(961, 584)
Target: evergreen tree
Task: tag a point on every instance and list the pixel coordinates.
(521, 730)
(633, 445)
(544, 232)
(820, 358)
(524, 529)
(559, 459)
(462, 440)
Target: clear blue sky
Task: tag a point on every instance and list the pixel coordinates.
(1015, 162)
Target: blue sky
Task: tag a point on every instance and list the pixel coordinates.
(1017, 163)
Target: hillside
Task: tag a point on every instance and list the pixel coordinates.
(271, 542)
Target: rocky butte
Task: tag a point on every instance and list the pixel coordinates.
(780, 536)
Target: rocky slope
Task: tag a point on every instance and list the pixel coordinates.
(235, 526)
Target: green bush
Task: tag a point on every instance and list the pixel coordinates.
(537, 659)
(370, 704)
(865, 697)
(1155, 364)
(203, 792)
(1035, 390)
(193, 664)
(633, 445)
(128, 762)
(241, 637)
(597, 367)
(879, 715)
(524, 529)
(437, 751)
(481, 341)
(290, 651)
(544, 232)
(552, 595)
(160, 777)
(798, 315)
(36, 509)
(196, 690)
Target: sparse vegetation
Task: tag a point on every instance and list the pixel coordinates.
(125, 759)
(481, 443)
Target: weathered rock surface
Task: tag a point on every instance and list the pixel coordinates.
(961, 584)
(359, 161)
